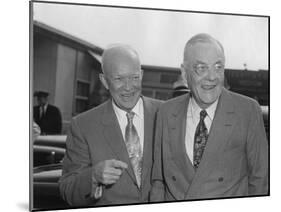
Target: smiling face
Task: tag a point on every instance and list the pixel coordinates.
(122, 76)
(204, 67)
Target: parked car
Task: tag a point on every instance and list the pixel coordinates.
(48, 152)
(44, 155)
(48, 149)
(51, 140)
(46, 193)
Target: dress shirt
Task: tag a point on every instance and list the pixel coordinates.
(138, 119)
(192, 120)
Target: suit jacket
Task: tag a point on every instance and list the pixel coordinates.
(235, 160)
(96, 136)
(51, 122)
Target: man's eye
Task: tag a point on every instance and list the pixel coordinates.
(218, 66)
(200, 67)
(117, 78)
(136, 77)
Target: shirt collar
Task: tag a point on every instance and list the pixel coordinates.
(137, 109)
(194, 109)
(212, 109)
(44, 106)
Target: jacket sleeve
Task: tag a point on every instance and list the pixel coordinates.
(58, 122)
(257, 153)
(77, 184)
(158, 189)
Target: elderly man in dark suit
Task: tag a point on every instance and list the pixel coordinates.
(47, 116)
(108, 156)
(210, 143)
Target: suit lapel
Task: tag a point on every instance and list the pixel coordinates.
(177, 129)
(149, 115)
(221, 128)
(114, 138)
(47, 111)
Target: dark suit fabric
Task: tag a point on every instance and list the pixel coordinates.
(51, 122)
(96, 136)
(235, 160)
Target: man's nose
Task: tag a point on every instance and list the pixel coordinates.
(128, 83)
(212, 74)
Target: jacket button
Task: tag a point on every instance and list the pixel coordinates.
(220, 179)
(174, 178)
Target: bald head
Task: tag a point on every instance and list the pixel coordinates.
(201, 38)
(119, 55)
(122, 75)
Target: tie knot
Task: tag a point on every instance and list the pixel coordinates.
(130, 116)
(203, 114)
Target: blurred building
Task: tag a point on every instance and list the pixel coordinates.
(68, 68)
(250, 83)
(159, 82)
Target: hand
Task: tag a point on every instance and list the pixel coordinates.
(109, 171)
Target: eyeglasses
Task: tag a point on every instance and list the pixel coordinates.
(202, 69)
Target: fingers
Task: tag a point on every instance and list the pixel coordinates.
(113, 171)
(108, 179)
(110, 175)
(109, 171)
(118, 164)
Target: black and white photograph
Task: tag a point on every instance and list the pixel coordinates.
(138, 106)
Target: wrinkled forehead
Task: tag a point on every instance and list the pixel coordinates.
(205, 52)
(120, 60)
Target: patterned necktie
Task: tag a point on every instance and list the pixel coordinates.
(133, 147)
(200, 139)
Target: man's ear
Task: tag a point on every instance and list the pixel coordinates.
(183, 72)
(103, 81)
(141, 73)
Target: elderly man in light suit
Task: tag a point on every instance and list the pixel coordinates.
(210, 143)
(108, 156)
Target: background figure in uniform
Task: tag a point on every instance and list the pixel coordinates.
(210, 143)
(47, 116)
(108, 156)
